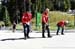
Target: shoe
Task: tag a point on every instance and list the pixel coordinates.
(43, 37)
(57, 34)
(24, 38)
(50, 36)
(28, 37)
(62, 34)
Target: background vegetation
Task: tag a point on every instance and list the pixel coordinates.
(58, 11)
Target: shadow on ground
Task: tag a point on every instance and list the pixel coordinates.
(11, 39)
(19, 38)
(27, 38)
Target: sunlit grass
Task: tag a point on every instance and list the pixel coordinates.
(55, 16)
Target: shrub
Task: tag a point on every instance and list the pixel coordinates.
(1, 23)
(70, 24)
(6, 18)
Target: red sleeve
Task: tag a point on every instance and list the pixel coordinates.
(23, 18)
(61, 23)
(43, 19)
(30, 16)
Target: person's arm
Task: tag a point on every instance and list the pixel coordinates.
(29, 19)
(44, 20)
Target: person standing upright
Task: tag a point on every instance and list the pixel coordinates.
(45, 25)
(26, 19)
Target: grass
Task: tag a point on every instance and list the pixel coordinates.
(55, 16)
(1, 23)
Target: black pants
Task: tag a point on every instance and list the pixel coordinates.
(61, 30)
(14, 27)
(45, 27)
(26, 30)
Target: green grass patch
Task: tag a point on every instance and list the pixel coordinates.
(54, 18)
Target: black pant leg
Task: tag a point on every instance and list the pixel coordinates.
(28, 30)
(48, 31)
(24, 26)
(62, 30)
(43, 29)
(14, 27)
(58, 30)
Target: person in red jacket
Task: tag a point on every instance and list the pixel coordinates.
(61, 24)
(45, 25)
(26, 19)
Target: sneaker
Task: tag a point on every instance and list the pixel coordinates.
(28, 37)
(50, 36)
(43, 37)
(25, 38)
(57, 34)
(62, 34)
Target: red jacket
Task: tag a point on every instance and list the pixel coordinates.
(61, 23)
(45, 18)
(26, 17)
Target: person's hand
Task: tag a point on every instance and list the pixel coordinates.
(64, 27)
(46, 23)
(28, 23)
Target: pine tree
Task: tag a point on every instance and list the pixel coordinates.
(67, 5)
(6, 17)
